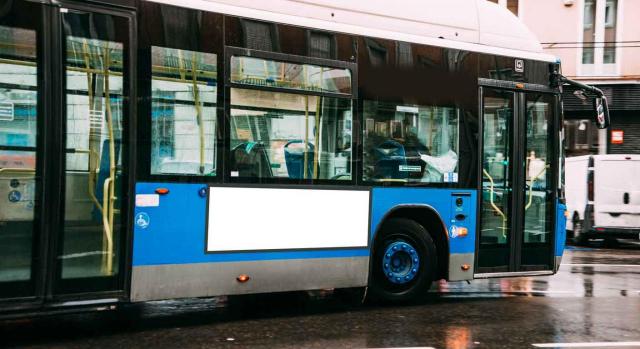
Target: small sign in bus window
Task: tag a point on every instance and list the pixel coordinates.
(6, 111)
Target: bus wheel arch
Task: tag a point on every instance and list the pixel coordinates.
(427, 222)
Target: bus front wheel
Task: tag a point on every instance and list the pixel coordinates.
(404, 261)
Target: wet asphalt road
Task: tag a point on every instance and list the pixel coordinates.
(594, 298)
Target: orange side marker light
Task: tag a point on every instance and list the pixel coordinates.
(162, 191)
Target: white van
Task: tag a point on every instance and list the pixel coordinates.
(603, 197)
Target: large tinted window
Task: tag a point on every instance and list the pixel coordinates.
(179, 82)
(419, 113)
(288, 131)
(183, 112)
(410, 143)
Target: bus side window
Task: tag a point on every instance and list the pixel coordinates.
(301, 136)
(410, 143)
(297, 136)
(183, 112)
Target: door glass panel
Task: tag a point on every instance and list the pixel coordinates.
(18, 131)
(538, 176)
(495, 235)
(95, 100)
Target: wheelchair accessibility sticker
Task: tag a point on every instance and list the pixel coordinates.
(142, 220)
(15, 196)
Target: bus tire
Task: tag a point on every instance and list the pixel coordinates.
(404, 262)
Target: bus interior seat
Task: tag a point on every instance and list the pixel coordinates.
(294, 158)
(390, 156)
(103, 174)
(250, 159)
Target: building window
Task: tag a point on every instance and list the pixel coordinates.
(609, 54)
(259, 35)
(321, 45)
(405, 55)
(588, 31)
(512, 5)
(377, 53)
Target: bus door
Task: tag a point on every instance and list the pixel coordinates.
(517, 202)
(65, 106)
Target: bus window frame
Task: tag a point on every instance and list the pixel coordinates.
(231, 51)
(144, 104)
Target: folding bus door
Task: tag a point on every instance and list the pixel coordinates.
(517, 210)
(21, 135)
(95, 51)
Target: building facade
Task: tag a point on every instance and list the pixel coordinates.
(598, 42)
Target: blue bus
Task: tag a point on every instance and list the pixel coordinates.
(192, 148)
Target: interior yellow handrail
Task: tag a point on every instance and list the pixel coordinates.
(533, 180)
(306, 137)
(92, 175)
(493, 205)
(109, 187)
(17, 169)
(93, 154)
(394, 180)
(107, 261)
(199, 118)
(316, 153)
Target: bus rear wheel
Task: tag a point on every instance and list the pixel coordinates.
(404, 261)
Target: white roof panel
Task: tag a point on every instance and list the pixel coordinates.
(474, 25)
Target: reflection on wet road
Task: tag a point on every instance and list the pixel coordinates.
(584, 273)
(594, 301)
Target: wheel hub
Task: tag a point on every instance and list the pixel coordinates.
(401, 262)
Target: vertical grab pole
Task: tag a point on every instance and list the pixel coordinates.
(196, 101)
(306, 136)
(306, 124)
(317, 138)
(316, 153)
(92, 153)
(110, 182)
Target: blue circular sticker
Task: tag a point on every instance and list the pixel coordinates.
(142, 220)
(15, 196)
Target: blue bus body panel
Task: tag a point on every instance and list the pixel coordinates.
(174, 232)
(561, 229)
(441, 200)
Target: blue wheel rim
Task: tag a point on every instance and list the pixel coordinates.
(400, 262)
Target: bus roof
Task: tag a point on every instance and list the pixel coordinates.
(473, 25)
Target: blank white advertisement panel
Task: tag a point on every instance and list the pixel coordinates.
(249, 219)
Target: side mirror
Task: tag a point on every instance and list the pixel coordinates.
(601, 108)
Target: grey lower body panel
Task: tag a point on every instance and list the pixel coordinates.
(513, 274)
(456, 261)
(558, 261)
(167, 281)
